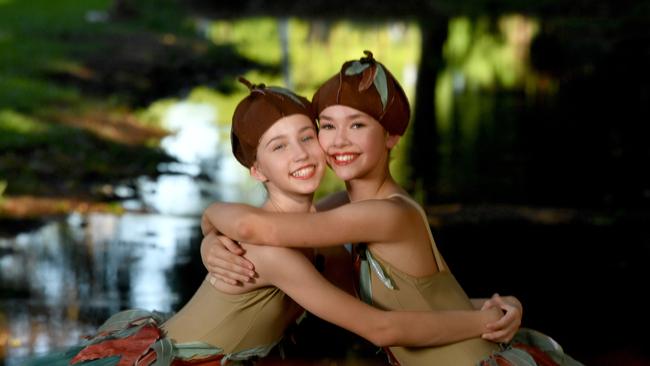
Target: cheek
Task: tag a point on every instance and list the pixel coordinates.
(317, 152)
(324, 139)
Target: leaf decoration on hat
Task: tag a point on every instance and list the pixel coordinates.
(381, 84)
(285, 92)
(367, 77)
(356, 68)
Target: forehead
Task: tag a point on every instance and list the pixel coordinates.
(342, 112)
(288, 125)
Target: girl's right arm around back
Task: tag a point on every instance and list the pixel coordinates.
(290, 271)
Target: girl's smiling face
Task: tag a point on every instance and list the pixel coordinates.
(289, 158)
(355, 144)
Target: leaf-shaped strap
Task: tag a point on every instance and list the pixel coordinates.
(122, 319)
(381, 84)
(191, 350)
(164, 352)
(379, 271)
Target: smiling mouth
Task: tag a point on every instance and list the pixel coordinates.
(305, 172)
(344, 159)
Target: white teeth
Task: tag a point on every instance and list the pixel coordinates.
(303, 172)
(344, 157)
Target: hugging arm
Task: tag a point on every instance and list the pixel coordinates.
(290, 271)
(370, 220)
(364, 221)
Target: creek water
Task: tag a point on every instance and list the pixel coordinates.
(61, 280)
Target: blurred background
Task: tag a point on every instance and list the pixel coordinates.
(527, 147)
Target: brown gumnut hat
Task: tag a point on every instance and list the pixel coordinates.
(256, 113)
(368, 86)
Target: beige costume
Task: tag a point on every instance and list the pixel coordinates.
(252, 322)
(439, 291)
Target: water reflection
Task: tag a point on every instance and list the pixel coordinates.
(63, 279)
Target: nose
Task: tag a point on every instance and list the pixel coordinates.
(341, 137)
(300, 152)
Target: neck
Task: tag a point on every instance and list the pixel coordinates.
(283, 202)
(374, 186)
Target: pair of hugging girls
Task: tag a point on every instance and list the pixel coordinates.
(416, 309)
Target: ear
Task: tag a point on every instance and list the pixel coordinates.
(257, 174)
(391, 141)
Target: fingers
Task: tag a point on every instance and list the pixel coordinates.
(225, 269)
(231, 245)
(500, 336)
(213, 278)
(505, 328)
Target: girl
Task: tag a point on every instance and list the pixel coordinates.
(363, 111)
(274, 135)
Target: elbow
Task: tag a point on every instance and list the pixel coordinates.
(244, 230)
(384, 335)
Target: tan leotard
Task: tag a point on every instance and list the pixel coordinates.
(247, 324)
(439, 291)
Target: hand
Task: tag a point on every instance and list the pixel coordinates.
(223, 258)
(505, 328)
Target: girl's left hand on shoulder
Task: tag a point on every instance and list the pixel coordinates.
(505, 328)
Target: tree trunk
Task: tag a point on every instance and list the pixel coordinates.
(424, 156)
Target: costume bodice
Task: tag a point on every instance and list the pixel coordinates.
(251, 321)
(389, 288)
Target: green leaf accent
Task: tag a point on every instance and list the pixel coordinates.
(115, 334)
(164, 352)
(285, 92)
(122, 319)
(193, 349)
(356, 68)
(518, 357)
(382, 85)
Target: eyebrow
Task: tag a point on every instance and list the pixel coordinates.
(350, 116)
(284, 136)
(273, 139)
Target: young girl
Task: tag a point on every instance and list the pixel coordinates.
(363, 111)
(274, 135)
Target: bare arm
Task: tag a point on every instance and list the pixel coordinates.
(293, 273)
(365, 221)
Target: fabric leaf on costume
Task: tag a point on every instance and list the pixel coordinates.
(518, 357)
(130, 349)
(367, 77)
(122, 319)
(540, 357)
(109, 361)
(164, 352)
(61, 358)
(147, 359)
(122, 333)
(210, 361)
(286, 93)
(195, 349)
(381, 85)
(356, 68)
